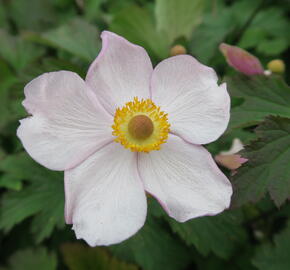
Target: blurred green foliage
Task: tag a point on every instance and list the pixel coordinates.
(41, 36)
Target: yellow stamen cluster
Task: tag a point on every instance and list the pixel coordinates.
(129, 125)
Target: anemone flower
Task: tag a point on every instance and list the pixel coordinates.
(125, 130)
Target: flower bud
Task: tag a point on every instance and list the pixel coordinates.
(241, 60)
(276, 66)
(177, 50)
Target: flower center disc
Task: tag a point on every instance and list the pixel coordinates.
(140, 127)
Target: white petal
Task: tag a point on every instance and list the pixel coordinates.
(185, 180)
(68, 123)
(198, 109)
(121, 72)
(105, 198)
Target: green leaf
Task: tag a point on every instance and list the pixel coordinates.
(139, 28)
(10, 182)
(273, 47)
(212, 32)
(37, 16)
(32, 259)
(153, 248)
(79, 257)
(207, 233)
(252, 37)
(76, 37)
(274, 256)
(267, 169)
(178, 18)
(3, 21)
(43, 197)
(18, 52)
(262, 96)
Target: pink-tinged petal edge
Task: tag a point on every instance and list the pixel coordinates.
(185, 180)
(121, 72)
(241, 60)
(198, 108)
(66, 120)
(111, 206)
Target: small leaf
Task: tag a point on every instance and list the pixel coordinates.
(262, 96)
(178, 18)
(267, 169)
(32, 259)
(76, 37)
(207, 233)
(80, 257)
(274, 256)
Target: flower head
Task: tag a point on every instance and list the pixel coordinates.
(125, 130)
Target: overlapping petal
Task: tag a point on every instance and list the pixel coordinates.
(121, 72)
(198, 109)
(185, 180)
(105, 198)
(67, 123)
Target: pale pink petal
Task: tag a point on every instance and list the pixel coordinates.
(198, 109)
(241, 60)
(121, 72)
(104, 196)
(67, 122)
(185, 180)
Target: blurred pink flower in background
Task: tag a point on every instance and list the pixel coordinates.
(230, 159)
(241, 60)
(88, 127)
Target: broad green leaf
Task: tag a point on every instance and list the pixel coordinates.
(274, 256)
(252, 37)
(8, 101)
(139, 28)
(207, 233)
(10, 182)
(32, 259)
(3, 21)
(43, 198)
(36, 16)
(80, 257)
(77, 37)
(262, 96)
(92, 9)
(18, 52)
(207, 37)
(153, 248)
(178, 18)
(270, 26)
(273, 47)
(267, 169)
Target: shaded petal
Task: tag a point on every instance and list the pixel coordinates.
(185, 180)
(198, 109)
(68, 123)
(241, 60)
(121, 72)
(104, 196)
